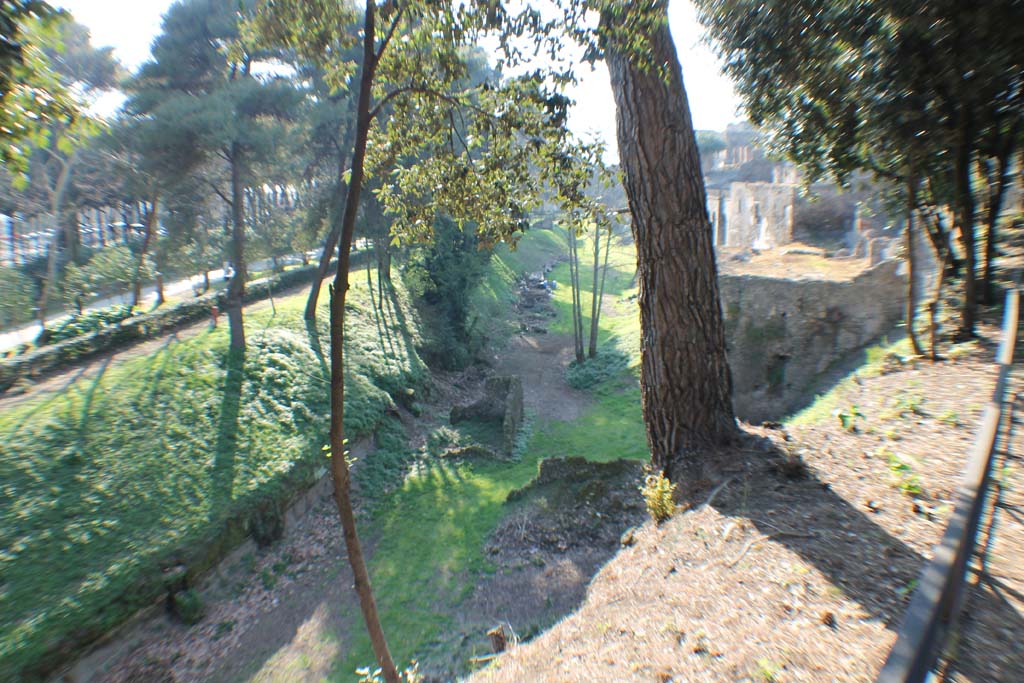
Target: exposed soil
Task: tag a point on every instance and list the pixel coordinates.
(801, 563)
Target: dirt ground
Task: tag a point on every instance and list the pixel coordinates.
(799, 565)
(987, 644)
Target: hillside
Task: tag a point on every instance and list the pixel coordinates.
(146, 472)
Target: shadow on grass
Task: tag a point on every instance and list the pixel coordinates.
(222, 476)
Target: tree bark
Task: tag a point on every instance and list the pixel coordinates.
(911, 311)
(997, 191)
(964, 215)
(56, 202)
(236, 287)
(330, 245)
(146, 240)
(595, 301)
(686, 385)
(339, 465)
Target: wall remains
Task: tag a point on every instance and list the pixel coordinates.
(783, 334)
(760, 215)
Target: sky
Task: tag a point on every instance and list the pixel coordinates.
(130, 27)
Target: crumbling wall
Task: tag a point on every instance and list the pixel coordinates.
(759, 215)
(782, 334)
(502, 402)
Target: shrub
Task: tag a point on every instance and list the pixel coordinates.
(594, 371)
(188, 606)
(17, 293)
(658, 493)
(86, 323)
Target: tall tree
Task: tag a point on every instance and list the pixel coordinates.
(202, 79)
(686, 385)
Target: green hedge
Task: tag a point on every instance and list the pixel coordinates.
(146, 326)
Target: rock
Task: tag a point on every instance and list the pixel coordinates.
(628, 537)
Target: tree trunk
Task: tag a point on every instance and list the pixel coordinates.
(604, 273)
(997, 190)
(236, 287)
(56, 201)
(964, 219)
(144, 251)
(686, 385)
(595, 301)
(330, 244)
(339, 465)
(911, 311)
(577, 298)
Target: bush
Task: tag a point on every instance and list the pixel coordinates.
(594, 371)
(188, 606)
(658, 493)
(86, 323)
(17, 294)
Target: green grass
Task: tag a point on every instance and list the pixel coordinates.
(163, 458)
(825, 405)
(433, 530)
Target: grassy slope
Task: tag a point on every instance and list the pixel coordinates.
(150, 462)
(433, 530)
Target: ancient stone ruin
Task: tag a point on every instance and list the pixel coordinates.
(502, 402)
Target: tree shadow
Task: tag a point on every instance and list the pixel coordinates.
(798, 510)
(990, 648)
(222, 474)
(313, 334)
(396, 314)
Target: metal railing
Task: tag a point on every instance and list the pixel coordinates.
(937, 600)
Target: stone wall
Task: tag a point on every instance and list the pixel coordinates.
(759, 215)
(784, 333)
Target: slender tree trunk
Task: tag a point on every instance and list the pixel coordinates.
(330, 245)
(595, 301)
(144, 251)
(911, 311)
(339, 465)
(936, 302)
(56, 202)
(964, 215)
(686, 385)
(236, 287)
(604, 270)
(577, 298)
(336, 210)
(997, 190)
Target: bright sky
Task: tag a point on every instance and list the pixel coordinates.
(131, 26)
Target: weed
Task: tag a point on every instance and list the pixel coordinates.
(268, 579)
(905, 591)
(223, 628)
(658, 493)
(409, 675)
(768, 670)
(848, 417)
(904, 477)
(950, 418)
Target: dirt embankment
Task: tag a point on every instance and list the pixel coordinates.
(796, 562)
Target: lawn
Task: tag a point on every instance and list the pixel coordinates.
(170, 458)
